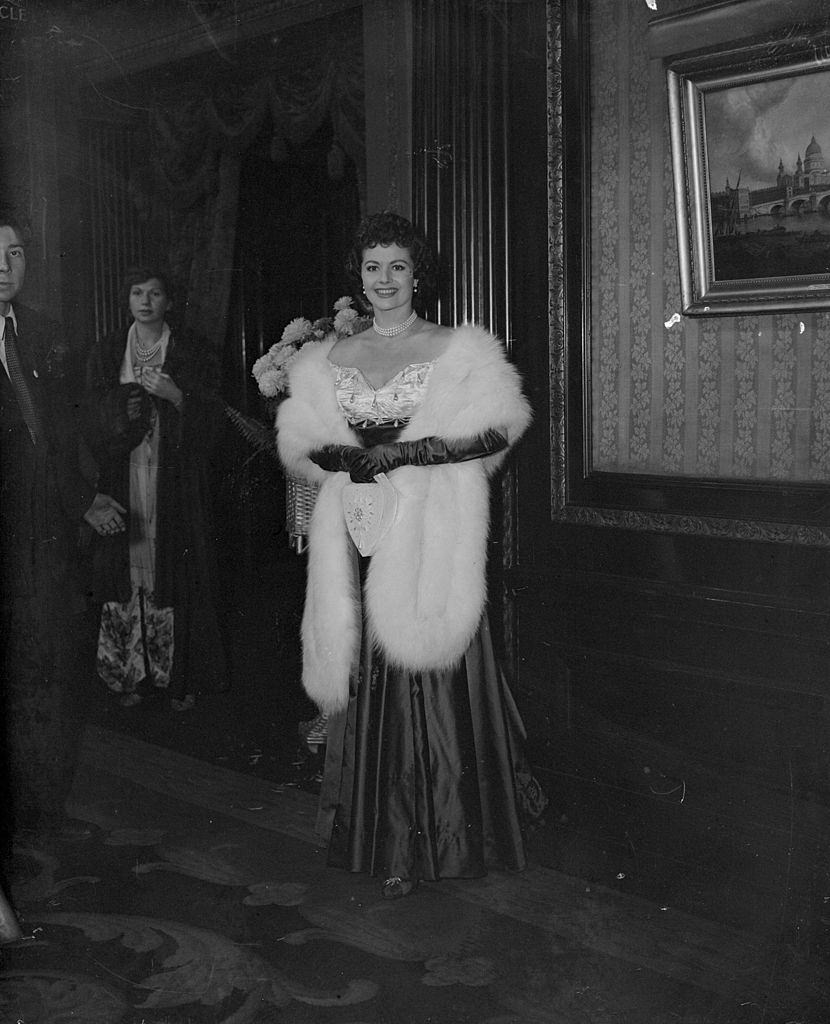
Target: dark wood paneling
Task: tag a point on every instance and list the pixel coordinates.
(690, 724)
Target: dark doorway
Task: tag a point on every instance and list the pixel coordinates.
(298, 208)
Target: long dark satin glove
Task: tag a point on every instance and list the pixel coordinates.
(336, 458)
(366, 463)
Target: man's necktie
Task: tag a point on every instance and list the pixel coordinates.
(19, 383)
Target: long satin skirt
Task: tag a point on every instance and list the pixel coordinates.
(425, 774)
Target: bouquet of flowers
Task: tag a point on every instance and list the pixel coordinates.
(271, 370)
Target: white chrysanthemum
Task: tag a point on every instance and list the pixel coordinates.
(260, 366)
(281, 353)
(274, 357)
(343, 303)
(272, 383)
(296, 330)
(343, 322)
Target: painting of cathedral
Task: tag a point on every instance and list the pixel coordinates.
(750, 145)
(781, 230)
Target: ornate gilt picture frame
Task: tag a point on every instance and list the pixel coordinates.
(751, 507)
(753, 231)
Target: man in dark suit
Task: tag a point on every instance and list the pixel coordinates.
(44, 499)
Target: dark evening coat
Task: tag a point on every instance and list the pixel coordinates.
(186, 570)
(43, 497)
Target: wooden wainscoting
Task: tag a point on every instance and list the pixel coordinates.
(682, 725)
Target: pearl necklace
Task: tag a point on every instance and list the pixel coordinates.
(391, 332)
(146, 354)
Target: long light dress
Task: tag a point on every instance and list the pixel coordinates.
(136, 637)
(425, 776)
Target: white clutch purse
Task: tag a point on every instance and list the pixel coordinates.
(370, 511)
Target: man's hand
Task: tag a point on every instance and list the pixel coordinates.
(105, 515)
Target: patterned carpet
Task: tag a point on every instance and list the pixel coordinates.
(200, 896)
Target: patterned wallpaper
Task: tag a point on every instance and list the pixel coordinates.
(727, 397)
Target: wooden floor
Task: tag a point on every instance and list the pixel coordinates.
(635, 932)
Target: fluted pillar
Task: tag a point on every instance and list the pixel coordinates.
(387, 40)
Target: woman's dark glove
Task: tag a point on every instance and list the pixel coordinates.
(336, 458)
(366, 463)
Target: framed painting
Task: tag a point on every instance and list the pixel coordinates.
(750, 150)
(662, 421)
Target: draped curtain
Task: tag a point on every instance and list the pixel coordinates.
(188, 187)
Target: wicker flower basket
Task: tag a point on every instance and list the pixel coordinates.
(300, 496)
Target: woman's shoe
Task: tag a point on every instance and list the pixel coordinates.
(187, 703)
(314, 733)
(396, 887)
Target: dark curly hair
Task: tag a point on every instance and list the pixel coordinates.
(143, 272)
(10, 218)
(389, 228)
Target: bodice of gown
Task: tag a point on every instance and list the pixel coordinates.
(378, 414)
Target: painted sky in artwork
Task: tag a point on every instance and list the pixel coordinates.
(749, 129)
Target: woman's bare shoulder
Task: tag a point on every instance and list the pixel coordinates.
(435, 338)
(345, 351)
(437, 330)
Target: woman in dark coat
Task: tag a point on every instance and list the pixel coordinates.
(156, 418)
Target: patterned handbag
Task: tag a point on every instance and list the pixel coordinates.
(370, 511)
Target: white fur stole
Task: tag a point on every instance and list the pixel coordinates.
(426, 584)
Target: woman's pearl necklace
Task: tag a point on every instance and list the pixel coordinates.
(390, 332)
(146, 354)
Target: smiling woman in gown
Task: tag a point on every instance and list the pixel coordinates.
(403, 425)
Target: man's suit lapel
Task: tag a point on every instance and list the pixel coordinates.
(29, 342)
